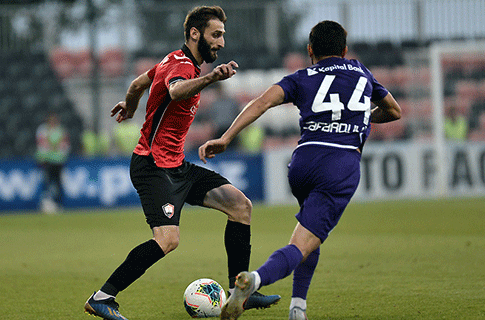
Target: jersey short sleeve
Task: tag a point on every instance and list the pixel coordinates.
(152, 71)
(289, 86)
(179, 71)
(173, 74)
(379, 91)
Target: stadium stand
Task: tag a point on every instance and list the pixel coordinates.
(29, 91)
(31, 87)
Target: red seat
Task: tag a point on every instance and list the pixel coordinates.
(112, 62)
(144, 64)
(63, 62)
(83, 63)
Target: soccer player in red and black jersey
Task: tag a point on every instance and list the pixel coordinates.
(159, 172)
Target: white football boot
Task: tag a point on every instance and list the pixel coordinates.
(297, 313)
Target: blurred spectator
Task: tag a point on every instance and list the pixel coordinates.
(477, 108)
(223, 111)
(456, 126)
(281, 126)
(198, 133)
(95, 145)
(126, 136)
(52, 153)
(88, 141)
(252, 139)
(294, 61)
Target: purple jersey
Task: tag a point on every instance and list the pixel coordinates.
(334, 97)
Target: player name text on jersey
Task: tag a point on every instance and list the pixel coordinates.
(333, 127)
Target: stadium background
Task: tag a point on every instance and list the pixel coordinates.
(416, 253)
(76, 58)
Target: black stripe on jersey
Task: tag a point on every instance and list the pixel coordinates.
(157, 117)
(189, 54)
(175, 79)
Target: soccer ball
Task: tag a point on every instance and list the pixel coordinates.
(204, 298)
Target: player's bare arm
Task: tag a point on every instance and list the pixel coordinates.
(387, 110)
(126, 109)
(272, 97)
(185, 89)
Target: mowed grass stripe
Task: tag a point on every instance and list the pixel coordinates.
(385, 260)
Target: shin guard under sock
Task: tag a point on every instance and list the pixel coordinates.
(237, 240)
(280, 264)
(137, 262)
(302, 276)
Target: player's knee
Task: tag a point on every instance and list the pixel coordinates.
(248, 206)
(168, 244)
(172, 245)
(241, 211)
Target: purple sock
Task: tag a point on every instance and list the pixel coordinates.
(303, 275)
(280, 264)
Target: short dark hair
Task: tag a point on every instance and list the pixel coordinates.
(328, 38)
(199, 18)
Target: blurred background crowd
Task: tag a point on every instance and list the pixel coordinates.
(74, 59)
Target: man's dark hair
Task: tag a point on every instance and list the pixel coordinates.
(328, 38)
(199, 18)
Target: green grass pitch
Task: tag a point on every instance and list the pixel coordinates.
(385, 260)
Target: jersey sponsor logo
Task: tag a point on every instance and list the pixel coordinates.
(311, 72)
(193, 109)
(168, 210)
(314, 71)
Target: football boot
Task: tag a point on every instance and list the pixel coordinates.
(106, 308)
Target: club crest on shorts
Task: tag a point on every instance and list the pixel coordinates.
(168, 209)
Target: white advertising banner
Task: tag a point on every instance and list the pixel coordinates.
(396, 171)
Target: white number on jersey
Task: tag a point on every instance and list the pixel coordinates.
(335, 105)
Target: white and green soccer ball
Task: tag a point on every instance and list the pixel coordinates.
(204, 298)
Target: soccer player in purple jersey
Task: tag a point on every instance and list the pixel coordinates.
(334, 97)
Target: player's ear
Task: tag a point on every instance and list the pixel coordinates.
(309, 49)
(346, 50)
(194, 34)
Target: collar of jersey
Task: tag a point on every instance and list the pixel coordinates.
(189, 54)
(329, 59)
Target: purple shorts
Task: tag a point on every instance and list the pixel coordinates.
(323, 179)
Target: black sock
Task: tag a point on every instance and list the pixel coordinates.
(237, 239)
(136, 263)
(232, 281)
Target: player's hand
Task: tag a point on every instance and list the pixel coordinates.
(121, 112)
(224, 71)
(211, 148)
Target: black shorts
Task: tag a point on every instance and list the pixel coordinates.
(163, 191)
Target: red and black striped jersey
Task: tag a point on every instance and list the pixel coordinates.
(166, 121)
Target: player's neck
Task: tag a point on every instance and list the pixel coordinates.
(195, 52)
(316, 60)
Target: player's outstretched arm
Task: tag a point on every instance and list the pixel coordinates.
(253, 110)
(387, 110)
(185, 89)
(126, 109)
